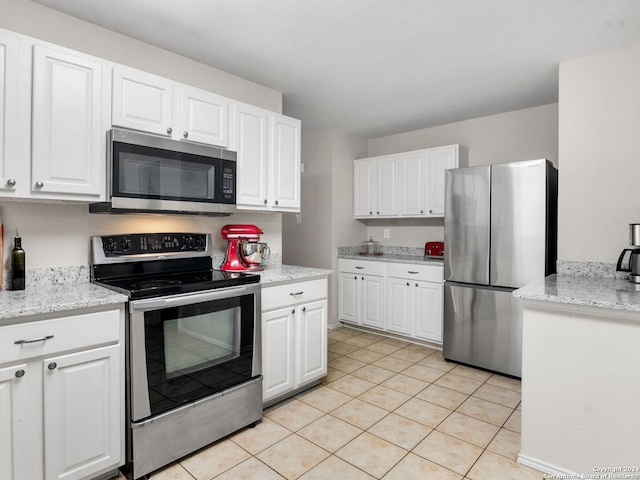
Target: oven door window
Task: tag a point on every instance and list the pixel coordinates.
(147, 172)
(197, 350)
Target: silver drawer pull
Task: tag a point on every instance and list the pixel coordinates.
(34, 340)
(412, 273)
(360, 268)
(295, 294)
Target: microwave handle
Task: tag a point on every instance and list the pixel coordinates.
(190, 299)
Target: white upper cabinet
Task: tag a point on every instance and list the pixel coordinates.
(365, 187)
(441, 159)
(285, 162)
(153, 104)
(413, 178)
(142, 101)
(409, 184)
(387, 193)
(8, 112)
(68, 132)
(204, 116)
(376, 187)
(268, 146)
(251, 125)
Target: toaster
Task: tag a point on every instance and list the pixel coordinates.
(434, 249)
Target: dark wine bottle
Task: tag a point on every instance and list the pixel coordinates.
(17, 264)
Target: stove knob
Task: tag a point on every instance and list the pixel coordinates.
(189, 241)
(200, 241)
(125, 244)
(110, 246)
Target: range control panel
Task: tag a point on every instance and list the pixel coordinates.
(158, 243)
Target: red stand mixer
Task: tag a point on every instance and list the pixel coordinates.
(234, 234)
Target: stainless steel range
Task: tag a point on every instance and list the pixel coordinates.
(193, 346)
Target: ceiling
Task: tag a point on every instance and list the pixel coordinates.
(379, 67)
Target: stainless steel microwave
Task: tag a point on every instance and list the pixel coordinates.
(151, 174)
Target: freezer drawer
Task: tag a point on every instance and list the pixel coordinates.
(483, 328)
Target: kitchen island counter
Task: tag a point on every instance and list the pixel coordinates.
(571, 290)
(580, 366)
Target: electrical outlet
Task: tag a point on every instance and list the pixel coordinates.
(386, 233)
(298, 218)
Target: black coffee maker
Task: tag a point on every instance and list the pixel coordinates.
(629, 260)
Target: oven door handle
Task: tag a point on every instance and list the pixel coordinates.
(178, 301)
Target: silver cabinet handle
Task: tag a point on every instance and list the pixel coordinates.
(39, 184)
(265, 201)
(293, 311)
(407, 284)
(370, 213)
(20, 373)
(360, 268)
(412, 273)
(169, 130)
(355, 278)
(377, 213)
(11, 182)
(52, 366)
(416, 284)
(295, 294)
(185, 134)
(421, 211)
(34, 340)
(276, 202)
(430, 211)
(304, 309)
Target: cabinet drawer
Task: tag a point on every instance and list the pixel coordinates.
(426, 273)
(293, 293)
(68, 333)
(362, 266)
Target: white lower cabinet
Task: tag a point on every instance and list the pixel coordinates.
(361, 292)
(294, 337)
(400, 298)
(61, 398)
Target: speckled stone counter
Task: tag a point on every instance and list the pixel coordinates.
(392, 254)
(609, 293)
(274, 274)
(37, 300)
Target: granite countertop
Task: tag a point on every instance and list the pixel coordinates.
(274, 274)
(36, 300)
(391, 258)
(45, 292)
(609, 293)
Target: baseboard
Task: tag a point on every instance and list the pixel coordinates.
(551, 471)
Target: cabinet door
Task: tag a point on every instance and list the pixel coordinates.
(68, 134)
(285, 163)
(81, 413)
(142, 101)
(8, 114)
(413, 179)
(348, 297)
(312, 342)
(388, 198)
(399, 305)
(428, 311)
(372, 313)
(277, 352)
(16, 441)
(440, 159)
(204, 117)
(250, 132)
(364, 188)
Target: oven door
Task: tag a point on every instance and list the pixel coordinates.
(185, 348)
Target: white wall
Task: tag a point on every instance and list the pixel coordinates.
(508, 137)
(599, 150)
(58, 234)
(327, 206)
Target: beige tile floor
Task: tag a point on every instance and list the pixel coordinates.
(387, 409)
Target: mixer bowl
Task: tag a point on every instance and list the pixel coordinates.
(253, 253)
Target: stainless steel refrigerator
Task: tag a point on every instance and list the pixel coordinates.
(500, 233)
